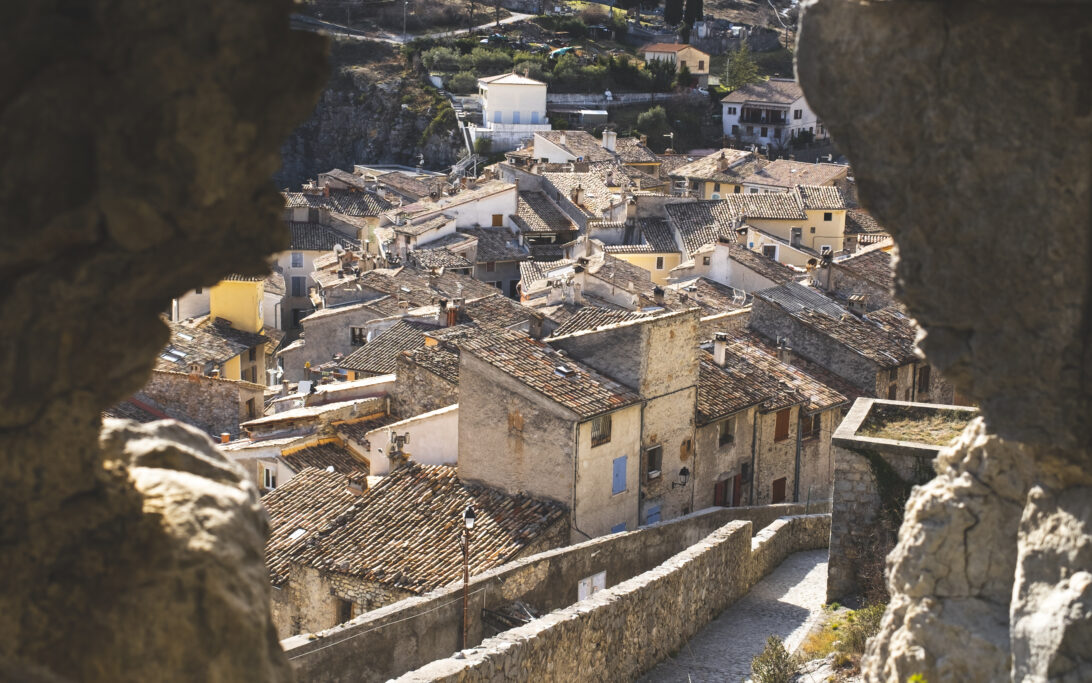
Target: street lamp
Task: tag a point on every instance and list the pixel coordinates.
(684, 476)
(468, 526)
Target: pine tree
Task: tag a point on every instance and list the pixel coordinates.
(742, 69)
(673, 12)
(694, 12)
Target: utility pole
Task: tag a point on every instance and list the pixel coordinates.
(405, 7)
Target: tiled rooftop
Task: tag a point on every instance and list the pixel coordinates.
(439, 258)
(317, 237)
(872, 264)
(560, 378)
(766, 267)
(324, 454)
(703, 222)
(821, 197)
(420, 228)
(788, 174)
(818, 396)
(498, 310)
(709, 295)
(578, 143)
(723, 166)
(404, 532)
(631, 151)
(646, 235)
(409, 187)
(535, 212)
(774, 91)
(205, 342)
(859, 221)
(378, 355)
(497, 244)
(723, 391)
(597, 196)
(532, 271)
(341, 201)
(593, 317)
(358, 429)
(438, 360)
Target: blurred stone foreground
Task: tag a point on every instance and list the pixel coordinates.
(139, 139)
(969, 127)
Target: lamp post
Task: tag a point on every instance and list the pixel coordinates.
(468, 526)
(684, 477)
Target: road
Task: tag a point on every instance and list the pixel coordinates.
(787, 603)
(318, 25)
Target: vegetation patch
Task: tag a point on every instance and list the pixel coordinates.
(919, 425)
(843, 636)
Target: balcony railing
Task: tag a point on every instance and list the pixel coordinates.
(764, 120)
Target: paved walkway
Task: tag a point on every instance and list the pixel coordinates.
(786, 603)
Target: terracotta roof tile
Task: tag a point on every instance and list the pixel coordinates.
(323, 455)
(340, 201)
(403, 532)
(317, 237)
(775, 90)
(497, 244)
(377, 356)
(535, 212)
(207, 343)
(788, 174)
(873, 265)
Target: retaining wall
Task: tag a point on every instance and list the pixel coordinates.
(392, 640)
(620, 633)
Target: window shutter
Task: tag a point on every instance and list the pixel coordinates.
(618, 484)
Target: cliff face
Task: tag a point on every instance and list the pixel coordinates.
(370, 112)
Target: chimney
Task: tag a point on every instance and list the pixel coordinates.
(610, 140)
(577, 195)
(644, 140)
(784, 351)
(720, 348)
(631, 209)
(858, 304)
(722, 161)
(658, 295)
(225, 437)
(562, 140)
(454, 311)
(534, 329)
(441, 314)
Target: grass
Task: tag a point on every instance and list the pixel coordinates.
(933, 427)
(844, 634)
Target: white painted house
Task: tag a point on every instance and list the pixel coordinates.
(513, 108)
(770, 113)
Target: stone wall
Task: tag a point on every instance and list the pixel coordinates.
(213, 405)
(774, 459)
(417, 390)
(621, 632)
(714, 463)
(413, 632)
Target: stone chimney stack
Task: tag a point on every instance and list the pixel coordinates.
(658, 295)
(454, 311)
(722, 162)
(577, 195)
(610, 140)
(720, 348)
(784, 351)
(858, 304)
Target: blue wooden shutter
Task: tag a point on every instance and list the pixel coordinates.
(618, 527)
(653, 515)
(619, 482)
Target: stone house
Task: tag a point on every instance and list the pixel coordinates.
(338, 204)
(533, 420)
(734, 265)
(541, 221)
(715, 176)
(867, 274)
(873, 351)
(646, 242)
(338, 547)
(770, 113)
(656, 356)
(426, 379)
(309, 242)
(497, 256)
(782, 175)
(679, 54)
(216, 348)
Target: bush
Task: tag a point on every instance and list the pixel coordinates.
(774, 664)
(483, 146)
(440, 59)
(861, 625)
(462, 82)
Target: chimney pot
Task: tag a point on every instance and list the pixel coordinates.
(225, 437)
(720, 348)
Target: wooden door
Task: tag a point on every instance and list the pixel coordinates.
(720, 494)
(737, 490)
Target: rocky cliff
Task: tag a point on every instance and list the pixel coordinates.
(372, 111)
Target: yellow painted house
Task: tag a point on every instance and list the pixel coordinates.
(718, 175)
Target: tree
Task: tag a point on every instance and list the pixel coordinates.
(741, 68)
(684, 78)
(694, 12)
(663, 74)
(673, 12)
(653, 123)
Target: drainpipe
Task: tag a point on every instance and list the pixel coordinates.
(799, 445)
(576, 455)
(754, 475)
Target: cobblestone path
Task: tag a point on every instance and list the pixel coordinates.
(786, 603)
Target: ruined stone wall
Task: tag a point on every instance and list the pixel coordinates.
(415, 631)
(213, 405)
(417, 390)
(621, 632)
(864, 517)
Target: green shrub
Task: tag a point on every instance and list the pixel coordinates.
(774, 664)
(861, 625)
(440, 59)
(462, 82)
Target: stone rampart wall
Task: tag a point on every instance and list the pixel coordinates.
(621, 632)
(398, 638)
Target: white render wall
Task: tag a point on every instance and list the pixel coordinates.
(514, 103)
(434, 439)
(808, 119)
(480, 211)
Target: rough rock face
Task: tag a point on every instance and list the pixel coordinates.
(360, 118)
(139, 139)
(943, 109)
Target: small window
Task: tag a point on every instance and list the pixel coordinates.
(197, 291)
(924, 373)
(683, 63)
(269, 478)
(705, 260)
(298, 314)
(765, 130)
(299, 286)
(828, 216)
(737, 189)
(893, 391)
(726, 431)
(297, 259)
(498, 220)
(811, 426)
(618, 478)
(812, 230)
(776, 133)
(732, 110)
(769, 250)
(659, 263)
(701, 65)
(798, 113)
(491, 267)
(750, 130)
(781, 426)
(358, 336)
(735, 130)
(251, 409)
(600, 430)
(252, 354)
(754, 191)
(716, 187)
(654, 461)
(778, 493)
